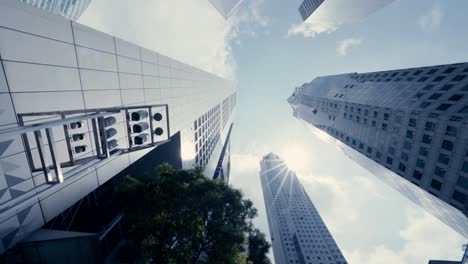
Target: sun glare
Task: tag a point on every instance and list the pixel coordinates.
(295, 157)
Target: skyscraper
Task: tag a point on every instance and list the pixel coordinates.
(409, 127)
(71, 9)
(78, 106)
(308, 7)
(226, 7)
(335, 12)
(297, 231)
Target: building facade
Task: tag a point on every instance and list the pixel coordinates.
(308, 7)
(297, 231)
(71, 9)
(409, 127)
(78, 106)
(226, 7)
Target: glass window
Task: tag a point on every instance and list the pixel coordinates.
(449, 70)
(432, 71)
(459, 78)
(451, 131)
(376, 114)
(463, 182)
(417, 174)
(384, 126)
(444, 159)
(427, 139)
(443, 107)
(459, 196)
(391, 150)
(428, 87)
(369, 150)
(456, 97)
(378, 155)
(439, 78)
(386, 116)
(435, 184)
(402, 167)
(412, 122)
(465, 167)
(447, 145)
(464, 110)
(424, 104)
(439, 171)
(389, 160)
(435, 96)
(446, 87)
(423, 151)
(430, 126)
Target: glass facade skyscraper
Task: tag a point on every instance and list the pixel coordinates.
(308, 7)
(409, 127)
(297, 231)
(71, 9)
(226, 7)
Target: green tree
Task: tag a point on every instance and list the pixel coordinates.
(179, 216)
(258, 248)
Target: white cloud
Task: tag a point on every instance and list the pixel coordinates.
(190, 31)
(431, 20)
(310, 29)
(424, 238)
(345, 44)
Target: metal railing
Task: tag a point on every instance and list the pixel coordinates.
(146, 126)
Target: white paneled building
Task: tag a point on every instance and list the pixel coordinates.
(77, 106)
(297, 231)
(409, 127)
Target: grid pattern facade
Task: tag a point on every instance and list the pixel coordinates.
(51, 64)
(308, 7)
(298, 233)
(71, 9)
(413, 122)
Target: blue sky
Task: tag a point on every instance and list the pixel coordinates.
(370, 221)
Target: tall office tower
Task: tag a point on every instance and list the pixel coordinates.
(335, 12)
(297, 231)
(409, 127)
(78, 106)
(226, 7)
(308, 7)
(71, 9)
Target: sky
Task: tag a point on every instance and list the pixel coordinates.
(267, 50)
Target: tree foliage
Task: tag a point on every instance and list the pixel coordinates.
(179, 216)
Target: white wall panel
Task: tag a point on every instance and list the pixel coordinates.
(41, 77)
(150, 82)
(149, 56)
(127, 49)
(19, 46)
(47, 101)
(150, 69)
(22, 17)
(7, 114)
(130, 81)
(99, 80)
(133, 96)
(128, 65)
(3, 83)
(91, 38)
(102, 98)
(96, 60)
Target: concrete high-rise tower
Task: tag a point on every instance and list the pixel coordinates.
(79, 106)
(409, 127)
(71, 9)
(297, 231)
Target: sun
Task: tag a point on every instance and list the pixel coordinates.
(295, 157)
